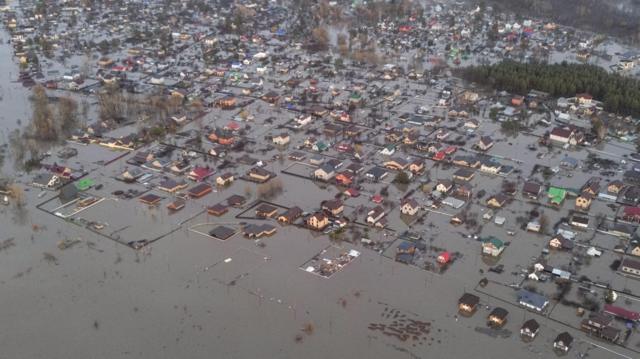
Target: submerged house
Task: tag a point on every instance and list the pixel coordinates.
(290, 215)
(533, 301)
(557, 195)
(497, 318)
(529, 329)
(492, 246)
(468, 304)
(563, 342)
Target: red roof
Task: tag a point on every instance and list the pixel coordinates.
(444, 257)
(585, 96)
(632, 211)
(352, 192)
(200, 173)
(561, 132)
(451, 149)
(377, 198)
(344, 147)
(200, 190)
(439, 156)
(621, 312)
(233, 126)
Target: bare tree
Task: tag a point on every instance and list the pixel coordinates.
(17, 194)
(111, 103)
(270, 189)
(67, 113)
(343, 46)
(321, 37)
(42, 125)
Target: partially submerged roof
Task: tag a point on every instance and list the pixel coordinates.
(222, 232)
(557, 195)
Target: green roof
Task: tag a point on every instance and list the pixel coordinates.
(494, 241)
(84, 184)
(557, 195)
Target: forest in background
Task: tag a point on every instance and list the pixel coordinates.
(618, 18)
(619, 94)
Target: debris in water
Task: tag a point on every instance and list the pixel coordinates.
(495, 333)
(342, 302)
(7, 243)
(402, 328)
(68, 243)
(308, 328)
(50, 258)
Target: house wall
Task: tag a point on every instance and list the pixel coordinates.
(631, 270)
(582, 202)
(579, 224)
(406, 209)
(559, 139)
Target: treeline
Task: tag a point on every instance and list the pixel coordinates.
(612, 17)
(618, 93)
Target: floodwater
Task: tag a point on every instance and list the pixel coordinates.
(184, 298)
(14, 97)
(14, 100)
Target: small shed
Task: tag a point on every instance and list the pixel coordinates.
(444, 257)
(84, 184)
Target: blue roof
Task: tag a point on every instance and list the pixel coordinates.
(404, 258)
(533, 299)
(506, 169)
(406, 245)
(630, 55)
(327, 168)
(570, 160)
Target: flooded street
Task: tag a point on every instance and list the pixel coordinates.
(15, 103)
(120, 258)
(103, 300)
(100, 299)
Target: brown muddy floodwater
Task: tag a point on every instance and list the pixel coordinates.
(191, 296)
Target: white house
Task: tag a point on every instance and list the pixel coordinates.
(303, 120)
(375, 215)
(324, 173)
(388, 150)
(281, 139)
(410, 207)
